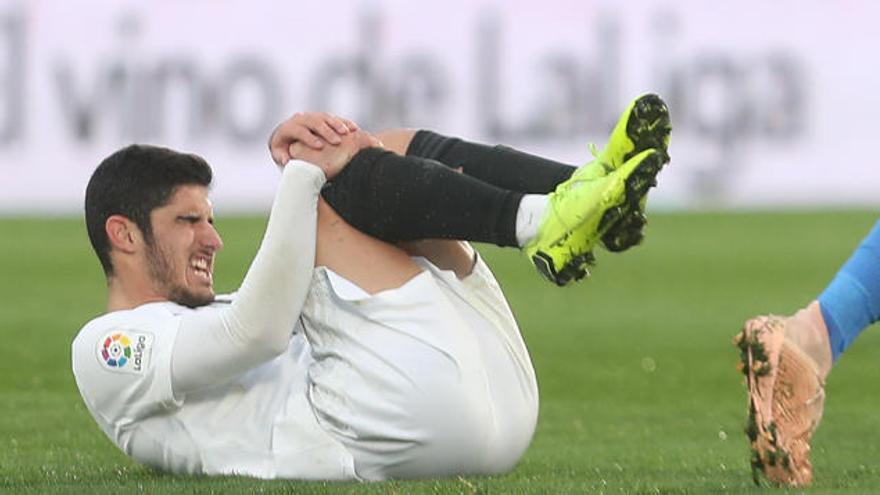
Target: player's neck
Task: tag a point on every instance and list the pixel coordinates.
(127, 293)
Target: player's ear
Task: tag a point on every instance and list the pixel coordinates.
(122, 233)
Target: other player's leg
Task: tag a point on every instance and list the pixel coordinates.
(786, 361)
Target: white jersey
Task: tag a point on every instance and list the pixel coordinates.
(429, 379)
(303, 375)
(122, 364)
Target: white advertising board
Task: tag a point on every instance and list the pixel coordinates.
(773, 103)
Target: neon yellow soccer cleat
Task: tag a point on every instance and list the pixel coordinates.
(582, 210)
(644, 125)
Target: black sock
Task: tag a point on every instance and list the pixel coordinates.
(500, 166)
(400, 198)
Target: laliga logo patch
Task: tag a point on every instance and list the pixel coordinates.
(125, 351)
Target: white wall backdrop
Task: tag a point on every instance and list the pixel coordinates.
(773, 103)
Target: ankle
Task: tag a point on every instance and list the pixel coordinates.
(810, 333)
(529, 215)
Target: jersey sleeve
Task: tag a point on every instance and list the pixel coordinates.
(132, 364)
(122, 365)
(217, 346)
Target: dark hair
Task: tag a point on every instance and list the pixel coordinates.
(132, 182)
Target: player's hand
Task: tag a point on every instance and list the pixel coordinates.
(313, 129)
(332, 158)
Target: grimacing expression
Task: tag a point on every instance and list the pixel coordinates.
(180, 255)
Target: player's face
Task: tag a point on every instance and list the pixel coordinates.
(181, 256)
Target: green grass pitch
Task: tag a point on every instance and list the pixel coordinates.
(639, 393)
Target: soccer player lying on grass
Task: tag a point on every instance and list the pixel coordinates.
(354, 349)
(787, 359)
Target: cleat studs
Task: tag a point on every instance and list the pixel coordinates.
(786, 460)
(760, 368)
(545, 267)
(757, 467)
(751, 429)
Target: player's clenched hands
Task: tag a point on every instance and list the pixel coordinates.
(312, 129)
(333, 158)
